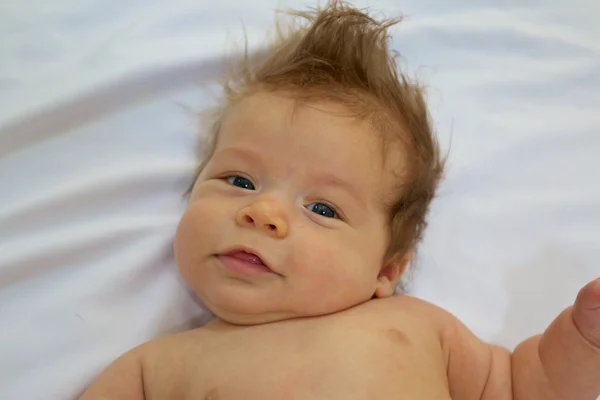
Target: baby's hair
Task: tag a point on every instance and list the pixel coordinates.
(341, 54)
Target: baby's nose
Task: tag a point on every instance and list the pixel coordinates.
(265, 216)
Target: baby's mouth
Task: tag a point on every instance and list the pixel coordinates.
(246, 257)
(244, 260)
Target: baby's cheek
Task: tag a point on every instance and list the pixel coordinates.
(182, 235)
(335, 265)
(192, 238)
(185, 254)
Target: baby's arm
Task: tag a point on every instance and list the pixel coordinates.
(120, 380)
(567, 355)
(561, 364)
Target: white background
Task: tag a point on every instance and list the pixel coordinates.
(97, 133)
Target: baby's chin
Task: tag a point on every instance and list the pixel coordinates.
(243, 311)
(239, 303)
(243, 316)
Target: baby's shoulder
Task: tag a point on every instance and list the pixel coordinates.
(427, 317)
(410, 314)
(399, 307)
(174, 344)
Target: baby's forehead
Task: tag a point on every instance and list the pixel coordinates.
(298, 107)
(359, 143)
(301, 111)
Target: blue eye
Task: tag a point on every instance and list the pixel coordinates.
(241, 182)
(322, 209)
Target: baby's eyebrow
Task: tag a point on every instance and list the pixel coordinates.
(322, 177)
(246, 155)
(327, 178)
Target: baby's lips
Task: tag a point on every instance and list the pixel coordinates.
(586, 312)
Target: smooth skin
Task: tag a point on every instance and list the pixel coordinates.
(299, 185)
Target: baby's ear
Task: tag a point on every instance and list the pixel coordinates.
(390, 275)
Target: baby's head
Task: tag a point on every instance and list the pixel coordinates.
(314, 191)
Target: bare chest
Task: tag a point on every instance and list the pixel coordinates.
(300, 360)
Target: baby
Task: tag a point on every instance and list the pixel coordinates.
(305, 214)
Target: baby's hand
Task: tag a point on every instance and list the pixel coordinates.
(564, 362)
(586, 312)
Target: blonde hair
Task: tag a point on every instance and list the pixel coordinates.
(342, 54)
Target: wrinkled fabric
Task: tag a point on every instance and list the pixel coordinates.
(98, 131)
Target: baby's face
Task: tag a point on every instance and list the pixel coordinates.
(287, 219)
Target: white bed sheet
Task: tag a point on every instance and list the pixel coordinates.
(97, 135)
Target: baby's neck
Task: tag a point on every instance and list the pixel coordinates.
(217, 324)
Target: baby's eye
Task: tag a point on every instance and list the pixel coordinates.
(240, 181)
(322, 209)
